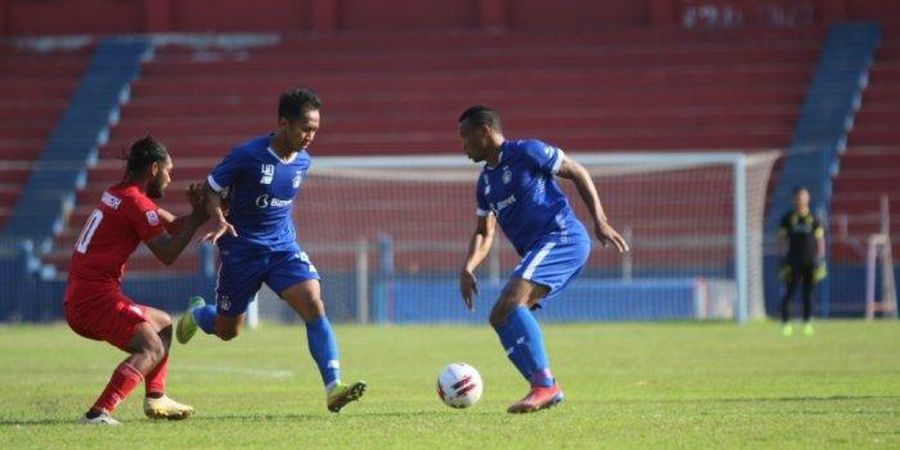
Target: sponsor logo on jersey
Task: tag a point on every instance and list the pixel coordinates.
(503, 204)
(268, 173)
(263, 201)
(152, 218)
(111, 200)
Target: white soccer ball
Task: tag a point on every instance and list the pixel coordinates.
(459, 385)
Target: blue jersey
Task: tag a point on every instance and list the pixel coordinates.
(261, 188)
(522, 192)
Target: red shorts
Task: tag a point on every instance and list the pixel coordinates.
(102, 313)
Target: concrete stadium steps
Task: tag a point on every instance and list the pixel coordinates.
(782, 64)
(628, 90)
(392, 89)
(34, 90)
(440, 99)
(12, 181)
(712, 98)
(575, 118)
(616, 38)
(418, 142)
(871, 164)
(8, 195)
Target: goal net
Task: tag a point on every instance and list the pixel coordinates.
(389, 234)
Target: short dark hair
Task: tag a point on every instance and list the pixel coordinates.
(143, 153)
(798, 189)
(297, 101)
(482, 115)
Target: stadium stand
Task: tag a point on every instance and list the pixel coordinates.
(871, 165)
(59, 168)
(391, 94)
(35, 87)
(868, 171)
(821, 134)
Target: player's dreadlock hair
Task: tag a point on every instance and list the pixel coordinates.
(297, 101)
(479, 115)
(143, 153)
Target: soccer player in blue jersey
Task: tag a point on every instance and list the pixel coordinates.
(257, 243)
(517, 188)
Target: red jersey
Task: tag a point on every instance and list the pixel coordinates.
(124, 217)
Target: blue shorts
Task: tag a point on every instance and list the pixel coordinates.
(554, 261)
(241, 275)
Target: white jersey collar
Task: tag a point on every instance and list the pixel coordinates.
(280, 159)
(499, 161)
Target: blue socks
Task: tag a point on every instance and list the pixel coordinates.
(323, 348)
(515, 353)
(205, 316)
(523, 341)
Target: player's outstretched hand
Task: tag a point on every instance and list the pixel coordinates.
(468, 287)
(197, 196)
(608, 235)
(221, 228)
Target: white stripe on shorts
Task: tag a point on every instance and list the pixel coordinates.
(529, 271)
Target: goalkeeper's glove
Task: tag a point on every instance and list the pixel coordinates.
(784, 271)
(821, 270)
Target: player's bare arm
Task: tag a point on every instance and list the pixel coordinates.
(174, 223)
(605, 233)
(479, 246)
(168, 247)
(214, 209)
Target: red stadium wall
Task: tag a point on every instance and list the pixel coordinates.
(55, 17)
(400, 15)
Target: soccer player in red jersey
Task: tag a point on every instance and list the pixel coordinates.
(95, 306)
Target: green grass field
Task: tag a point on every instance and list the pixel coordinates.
(684, 385)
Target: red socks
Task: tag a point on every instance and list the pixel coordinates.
(124, 379)
(156, 379)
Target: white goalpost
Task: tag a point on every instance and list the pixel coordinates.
(389, 233)
(878, 252)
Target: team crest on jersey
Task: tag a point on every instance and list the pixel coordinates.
(507, 175)
(152, 218)
(487, 185)
(268, 173)
(224, 303)
(298, 178)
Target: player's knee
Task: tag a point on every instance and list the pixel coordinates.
(317, 306)
(312, 309)
(164, 320)
(499, 314)
(155, 350)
